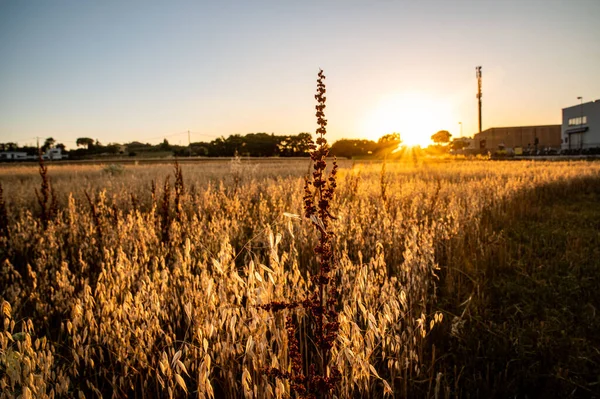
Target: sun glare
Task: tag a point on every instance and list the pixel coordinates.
(415, 116)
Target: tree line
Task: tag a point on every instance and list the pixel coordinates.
(247, 145)
(251, 144)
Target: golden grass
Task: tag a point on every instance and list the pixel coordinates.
(99, 303)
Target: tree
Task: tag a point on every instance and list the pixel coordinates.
(49, 143)
(443, 136)
(388, 143)
(301, 144)
(294, 145)
(256, 144)
(165, 146)
(61, 146)
(12, 147)
(458, 144)
(389, 138)
(8, 146)
(85, 142)
(218, 147)
(112, 148)
(349, 148)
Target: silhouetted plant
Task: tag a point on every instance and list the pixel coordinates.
(153, 192)
(46, 197)
(383, 182)
(95, 217)
(53, 203)
(134, 202)
(318, 380)
(165, 219)
(179, 190)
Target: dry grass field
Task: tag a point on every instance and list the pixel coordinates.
(151, 281)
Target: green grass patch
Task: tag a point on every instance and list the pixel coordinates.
(534, 329)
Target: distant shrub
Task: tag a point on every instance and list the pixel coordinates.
(114, 169)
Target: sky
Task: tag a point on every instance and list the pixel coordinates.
(121, 71)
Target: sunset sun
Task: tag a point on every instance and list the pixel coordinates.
(416, 116)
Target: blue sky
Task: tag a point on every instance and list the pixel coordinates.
(119, 71)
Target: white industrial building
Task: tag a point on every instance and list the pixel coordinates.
(13, 155)
(581, 126)
(54, 154)
(51, 154)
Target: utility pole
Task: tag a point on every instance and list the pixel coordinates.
(460, 123)
(189, 144)
(580, 122)
(478, 75)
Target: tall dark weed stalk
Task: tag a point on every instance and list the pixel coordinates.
(46, 196)
(383, 183)
(95, 217)
(165, 217)
(179, 190)
(96, 213)
(319, 380)
(153, 192)
(134, 202)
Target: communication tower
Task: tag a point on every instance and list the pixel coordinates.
(478, 75)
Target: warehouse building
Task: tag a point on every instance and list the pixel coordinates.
(13, 156)
(581, 126)
(520, 138)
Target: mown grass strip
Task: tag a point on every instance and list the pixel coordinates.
(535, 330)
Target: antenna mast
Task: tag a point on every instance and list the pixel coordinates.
(478, 75)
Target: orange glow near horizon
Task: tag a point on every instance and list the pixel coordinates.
(416, 116)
